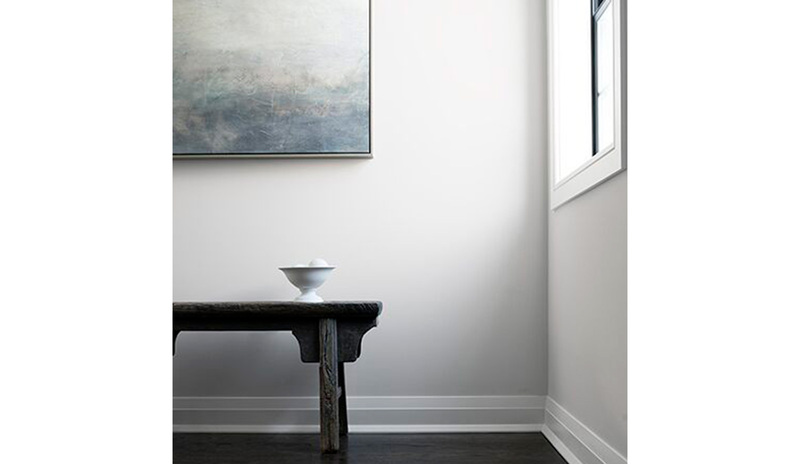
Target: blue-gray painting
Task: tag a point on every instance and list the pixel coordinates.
(271, 77)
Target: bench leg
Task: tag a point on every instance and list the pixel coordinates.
(328, 386)
(174, 340)
(342, 402)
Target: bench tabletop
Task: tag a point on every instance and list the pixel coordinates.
(353, 318)
(277, 310)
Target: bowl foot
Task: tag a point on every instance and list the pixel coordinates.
(309, 296)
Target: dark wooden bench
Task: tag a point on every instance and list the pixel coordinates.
(329, 333)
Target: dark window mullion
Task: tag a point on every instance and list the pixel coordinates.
(595, 141)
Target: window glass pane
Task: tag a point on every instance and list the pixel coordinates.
(605, 121)
(572, 87)
(605, 79)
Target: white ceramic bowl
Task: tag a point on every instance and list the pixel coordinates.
(308, 279)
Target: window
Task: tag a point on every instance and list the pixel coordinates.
(586, 95)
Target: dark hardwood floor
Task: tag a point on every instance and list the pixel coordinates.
(467, 448)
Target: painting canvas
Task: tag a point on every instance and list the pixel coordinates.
(271, 77)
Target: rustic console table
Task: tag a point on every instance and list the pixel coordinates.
(329, 333)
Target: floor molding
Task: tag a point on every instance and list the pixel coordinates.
(418, 428)
(367, 414)
(559, 445)
(577, 443)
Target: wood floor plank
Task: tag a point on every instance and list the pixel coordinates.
(473, 448)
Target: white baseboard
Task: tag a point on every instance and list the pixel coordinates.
(366, 414)
(559, 445)
(574, 441)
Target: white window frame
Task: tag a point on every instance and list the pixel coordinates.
(613, 160)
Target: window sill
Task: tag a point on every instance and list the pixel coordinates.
(594, 172)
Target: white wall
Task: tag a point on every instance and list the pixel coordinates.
(588, 316)
(446, 225)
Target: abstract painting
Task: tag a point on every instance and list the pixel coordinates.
(271, 77)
